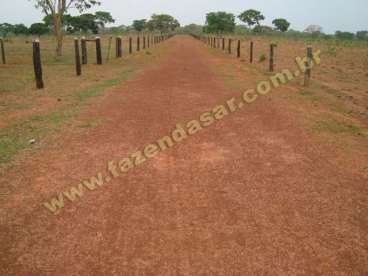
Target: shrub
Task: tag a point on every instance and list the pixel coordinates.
(262, 58)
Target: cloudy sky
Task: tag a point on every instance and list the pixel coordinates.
(332, 15)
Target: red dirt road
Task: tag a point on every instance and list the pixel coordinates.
(249, 195)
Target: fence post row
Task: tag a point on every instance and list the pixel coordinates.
(251, 52)
(272, 53)
(308, 71)
(238, 49)
(2, 51)
(98, 51)
(37, 64)
(119, 47)
(130, 45)
(78, 67)
(138, 44)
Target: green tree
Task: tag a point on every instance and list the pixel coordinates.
(38, 29)
(362, 35)
(217, 22)
(20, 29)
(5, 29)
(162, 23)
(139, 25)
(344, 35)
(281, 24)
(102, 18)
(192, 29)
(251, 17)
(57, 9)
(259, 29)
(82, 23)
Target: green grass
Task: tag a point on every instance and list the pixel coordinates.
(304, 93)
(97, 89)
(16, 136)
(336, 127)
(12, 105)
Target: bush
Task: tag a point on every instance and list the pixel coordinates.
(262, 58)
(344, 35)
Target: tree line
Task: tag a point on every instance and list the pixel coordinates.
(58, 21)
(224, 22)
(71, 24)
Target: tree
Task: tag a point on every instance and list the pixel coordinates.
(57, 9)
(38, 29)
(311, 29)
(192, 29)
(163, 23)
(5, 29)
(259, 29)
(82, 23)
(281, 24)
(362, 35)
(219, 22)
(344, 35)
(102, 18)
(139, 25)
(251, 17)
(20, 29)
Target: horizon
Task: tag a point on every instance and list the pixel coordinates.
(351, 18)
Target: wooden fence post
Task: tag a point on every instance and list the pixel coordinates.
(98, 51)
(148, 41)
(138, 44)
(308, 72)
(84, 50)
(251, 52)
(130, 45)
(229, 46)
(2, 51)
(78, 67)
(272, 53)
(223, 44)
(119, 46)
(37, 64)
(238, 49)
(144, 42)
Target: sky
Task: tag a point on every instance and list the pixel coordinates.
(332, 15)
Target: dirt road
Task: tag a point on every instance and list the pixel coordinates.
(250, 195)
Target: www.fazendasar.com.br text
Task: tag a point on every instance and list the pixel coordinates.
(181, 132)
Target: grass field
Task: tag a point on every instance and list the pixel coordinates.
(27, 113)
